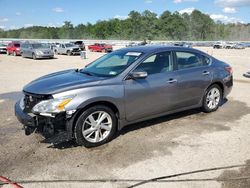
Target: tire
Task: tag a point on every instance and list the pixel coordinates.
(93, 131)
(68, 53)
(34, 56)
(14, 53)
(212, 98)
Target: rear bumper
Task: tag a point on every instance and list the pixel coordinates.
(228, 85)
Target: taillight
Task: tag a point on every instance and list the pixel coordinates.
(229, 69)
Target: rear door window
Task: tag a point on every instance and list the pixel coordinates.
(187, 60)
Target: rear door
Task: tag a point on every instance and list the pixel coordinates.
(193, 77)
(154, 94)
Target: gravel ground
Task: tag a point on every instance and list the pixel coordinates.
(177, 143)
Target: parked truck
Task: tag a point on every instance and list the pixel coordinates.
(100, 47)
(67, 48)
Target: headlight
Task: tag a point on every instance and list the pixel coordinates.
(52, 105)
(21, 103)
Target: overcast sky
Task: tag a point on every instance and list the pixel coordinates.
(25, 13)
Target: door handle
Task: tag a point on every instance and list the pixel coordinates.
(205, 73)
(171, 81)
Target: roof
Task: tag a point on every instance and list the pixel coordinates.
(155, 48)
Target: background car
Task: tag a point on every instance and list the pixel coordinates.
(219, 45)
(80, 44)
(100, 47)
(13, 48)
(3, 48)
(67, 48)
(239, 46)
(36, 50)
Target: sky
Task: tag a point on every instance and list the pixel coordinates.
(24, 13)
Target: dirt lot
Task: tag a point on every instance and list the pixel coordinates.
(173, 144)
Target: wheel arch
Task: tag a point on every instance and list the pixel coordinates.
(219, 83)
(81, 109)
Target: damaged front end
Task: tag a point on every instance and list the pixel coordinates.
(44, 114)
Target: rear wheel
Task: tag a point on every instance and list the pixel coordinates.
(95, 126)
(212, 98)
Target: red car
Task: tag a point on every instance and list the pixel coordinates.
(13, 48)
(100, 47)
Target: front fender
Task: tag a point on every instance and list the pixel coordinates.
(113, 94)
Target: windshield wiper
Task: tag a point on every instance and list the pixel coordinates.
(86, 72)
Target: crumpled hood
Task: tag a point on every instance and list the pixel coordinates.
(60, 82)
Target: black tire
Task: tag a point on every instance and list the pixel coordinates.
(78, 135)
(205, 106)
(34, 56)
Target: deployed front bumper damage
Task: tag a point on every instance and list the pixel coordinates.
(47, 126)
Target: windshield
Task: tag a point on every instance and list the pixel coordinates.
(69, 45)
(38, 45)
(112, 64)
(17, 45)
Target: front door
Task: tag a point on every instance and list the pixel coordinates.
(154, 94)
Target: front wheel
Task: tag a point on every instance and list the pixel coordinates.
(95, 126)
(212, 99)
(34, 56)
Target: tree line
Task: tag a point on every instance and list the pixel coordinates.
(140, 26)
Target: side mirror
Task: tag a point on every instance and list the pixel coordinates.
(138, 75)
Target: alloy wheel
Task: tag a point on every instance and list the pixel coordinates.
(97, 126)
(213, 98)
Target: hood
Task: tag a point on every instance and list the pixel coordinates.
(60, 82)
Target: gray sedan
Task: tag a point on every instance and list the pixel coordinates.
(123, 87)
(36, 50)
